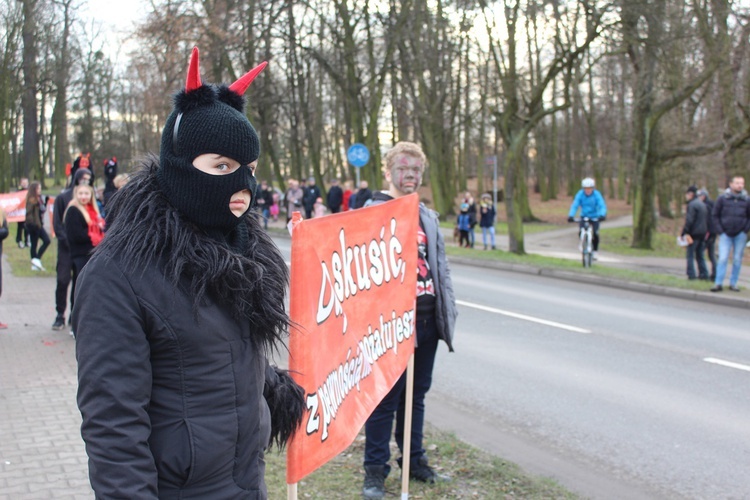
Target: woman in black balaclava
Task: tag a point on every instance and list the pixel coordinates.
(176, 313)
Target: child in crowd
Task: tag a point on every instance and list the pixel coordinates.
(319, 209)
(464, 225)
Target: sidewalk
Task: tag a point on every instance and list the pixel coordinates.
(41, 451)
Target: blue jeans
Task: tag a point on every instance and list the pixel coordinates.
(725, 245)
(695, 253)
(378, 426)
(488, 231)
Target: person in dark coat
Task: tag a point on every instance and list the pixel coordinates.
(731, 214)
(110, 172)
(311, 193)
(64, 265)
(713, 231)
(695, 230)
(335, 197)
(84, 229)
(177, 312)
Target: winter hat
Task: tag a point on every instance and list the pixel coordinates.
(702, 192)
(208, 119)
(692, 189)
(464, 207)
(79, 175)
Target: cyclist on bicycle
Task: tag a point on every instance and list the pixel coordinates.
(592, 206)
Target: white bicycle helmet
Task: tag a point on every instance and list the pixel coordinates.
(588, 182)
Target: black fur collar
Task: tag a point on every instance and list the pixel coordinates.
(144, 228)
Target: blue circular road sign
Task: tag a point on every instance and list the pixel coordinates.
(358, 155)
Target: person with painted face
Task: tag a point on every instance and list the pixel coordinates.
(436, 315)
(176, 313)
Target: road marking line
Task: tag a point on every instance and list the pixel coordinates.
(523, 317)
(727, 363)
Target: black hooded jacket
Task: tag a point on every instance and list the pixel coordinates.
(173, 329)
(731, 213)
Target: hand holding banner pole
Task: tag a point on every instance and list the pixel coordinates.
(406, 457)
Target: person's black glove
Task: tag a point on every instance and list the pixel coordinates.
(571, 219)
(602, 218)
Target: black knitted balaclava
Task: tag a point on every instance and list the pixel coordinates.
(208, 119)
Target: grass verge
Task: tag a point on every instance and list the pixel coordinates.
(20, 258)
(474, 473)
(543, 262)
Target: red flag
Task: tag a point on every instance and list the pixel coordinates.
(353, 304)
(14, 205)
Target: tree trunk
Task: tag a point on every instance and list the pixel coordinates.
(30, 162)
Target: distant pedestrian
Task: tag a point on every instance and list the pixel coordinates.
(694, 231)
(487, 219)
(731, 215)
(472, 211)
(293, 199)
(348, 191)
(35, 225)
(22, 236)
(319, 209)
(3, 234)
(463, 222)
(311, 192)
(110, 173)
(713, 232)
(335, 197)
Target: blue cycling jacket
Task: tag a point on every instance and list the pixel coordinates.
(592, 206)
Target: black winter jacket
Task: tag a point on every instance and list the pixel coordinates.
(696, 220)
(731, 213)
(77, 233)
(172, 330)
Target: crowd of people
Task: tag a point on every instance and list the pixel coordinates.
(726, 219)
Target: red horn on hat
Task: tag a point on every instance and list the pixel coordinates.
(240, 86)
(194, 72)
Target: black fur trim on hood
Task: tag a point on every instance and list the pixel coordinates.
(143, 227)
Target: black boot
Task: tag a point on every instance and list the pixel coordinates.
(374, 487)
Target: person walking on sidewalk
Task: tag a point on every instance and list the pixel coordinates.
(436, 317)
(712, 231)
(177, 312)
(592, 205)
(35, 225)
(731, 216)
(695, 230)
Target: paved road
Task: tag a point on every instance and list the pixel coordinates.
(610, 394)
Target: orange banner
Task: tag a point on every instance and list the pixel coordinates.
(352, 304)
(14, 205)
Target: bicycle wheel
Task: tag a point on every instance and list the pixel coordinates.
(586, 257)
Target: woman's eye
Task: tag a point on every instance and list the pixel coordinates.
(252, 168)
(222, 167)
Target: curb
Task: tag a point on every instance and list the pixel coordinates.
(705, 297)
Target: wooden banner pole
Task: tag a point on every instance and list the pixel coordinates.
(406, 457)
